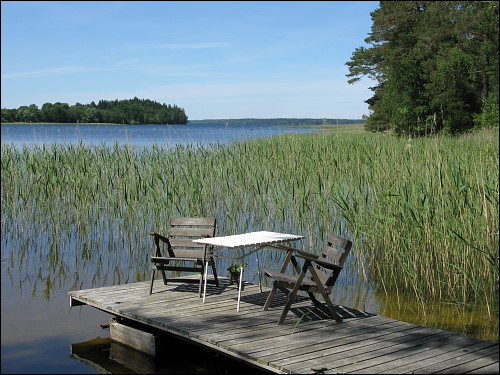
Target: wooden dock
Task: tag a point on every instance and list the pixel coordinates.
(308, 342)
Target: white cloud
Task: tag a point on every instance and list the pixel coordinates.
(193, 45)
(53, 71)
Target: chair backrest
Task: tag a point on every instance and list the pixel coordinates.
(182, 232)
(336, 250)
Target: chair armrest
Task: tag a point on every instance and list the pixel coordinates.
(156, 235)
(318, 259)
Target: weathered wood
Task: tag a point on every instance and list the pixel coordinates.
(307, 341)
(89, 352)
(178, 221)
(131, 359)
(318, 279)
(137, 339)
(74, 302)
(181, 253)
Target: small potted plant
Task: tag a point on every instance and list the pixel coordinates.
(234, 273)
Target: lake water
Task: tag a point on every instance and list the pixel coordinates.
(38, 326)
(139, 135)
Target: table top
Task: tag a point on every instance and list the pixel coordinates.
(249, 239)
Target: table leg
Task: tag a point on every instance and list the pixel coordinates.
(258, 271)
(205, 282)
(239, 288)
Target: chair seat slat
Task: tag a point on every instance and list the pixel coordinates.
(192, 221)
(186, 243)
(190, 232)
(287, 278)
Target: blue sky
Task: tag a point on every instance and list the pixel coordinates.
(214, 59)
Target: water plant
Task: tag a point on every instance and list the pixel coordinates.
(235, 271)
(422, 213)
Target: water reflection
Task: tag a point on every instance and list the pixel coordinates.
(108, 356)
(175, 357)
(467, 320)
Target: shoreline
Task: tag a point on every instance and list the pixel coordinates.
(77, 123)
(322, 126)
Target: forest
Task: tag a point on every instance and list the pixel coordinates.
(280, 121)
(434, 64)
(132, 111)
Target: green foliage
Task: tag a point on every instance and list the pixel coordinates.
(236, 268)
(489, 114)
(133, 111)
(436, 66)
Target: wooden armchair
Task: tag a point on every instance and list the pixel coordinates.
(181, 253)
(322, 272)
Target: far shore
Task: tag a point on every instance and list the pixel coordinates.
(322, 126)
(74, 123)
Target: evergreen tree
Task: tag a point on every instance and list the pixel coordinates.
(134, 111)
(435, 64)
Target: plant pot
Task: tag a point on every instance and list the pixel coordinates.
(234, 278)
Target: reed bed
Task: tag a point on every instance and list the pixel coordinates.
(423, 213)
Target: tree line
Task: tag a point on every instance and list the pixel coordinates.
(280, 121)
(130, 111)
(435, 64)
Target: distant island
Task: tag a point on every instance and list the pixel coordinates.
(131, 111)
(280, 121)
(140, 112)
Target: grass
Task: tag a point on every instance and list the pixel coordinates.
(422, 213)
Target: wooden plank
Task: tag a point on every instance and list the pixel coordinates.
(307, 341)
(131, 359)
(285, 336)
(417, 357)
(362, 362)
(192, 221)
(490, 369)
(348, 340)
(134, 338)
(354, 353)
(459, 364)
(474, 363)
(436, 356)
(269, 345)
(389, 362)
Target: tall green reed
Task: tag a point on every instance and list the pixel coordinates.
(423, 213)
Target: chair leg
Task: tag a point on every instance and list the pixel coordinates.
(314, 300)
(293, 293)
(334, 314)
(152, 280)
(200, 288)
(214, 271)
(323, 292)
(270, 297)
(164, 277)
(289, 301)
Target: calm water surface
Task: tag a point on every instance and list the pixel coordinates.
(38, 327)
(138, 135)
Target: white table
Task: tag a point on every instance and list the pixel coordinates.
(248, 243)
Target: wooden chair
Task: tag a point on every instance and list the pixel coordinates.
(331, 260)
(182, 254)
